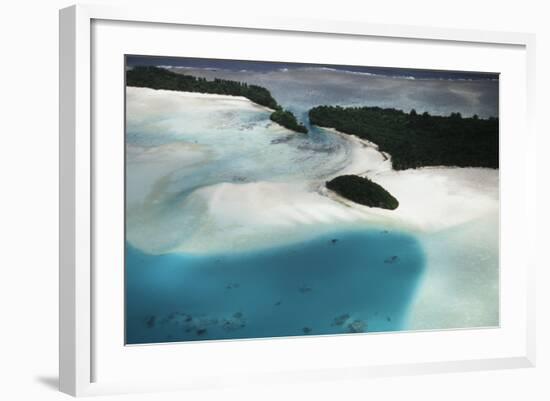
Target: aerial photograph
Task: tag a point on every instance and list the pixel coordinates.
(272, 199)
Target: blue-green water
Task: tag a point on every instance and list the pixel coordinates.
(348, 282)
(215, 175)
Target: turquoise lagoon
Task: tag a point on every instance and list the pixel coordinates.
(345, 282)
(199, 267)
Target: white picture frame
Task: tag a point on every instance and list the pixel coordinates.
(78, 225)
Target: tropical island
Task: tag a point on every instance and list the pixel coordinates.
(161, 78)
(363, 191)
(413, 140)
(287, 120)
(417, 140)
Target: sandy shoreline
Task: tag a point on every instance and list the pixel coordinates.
(195, 95)
(260, 213)
(452, 212)
(455, 215)
(430, 198)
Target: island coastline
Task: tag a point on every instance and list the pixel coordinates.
(164, 79)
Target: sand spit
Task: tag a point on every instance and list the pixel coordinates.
(234, 215)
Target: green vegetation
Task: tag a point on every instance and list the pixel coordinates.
(415, 140)
(362, 190)
(288, 120)
(161, 78)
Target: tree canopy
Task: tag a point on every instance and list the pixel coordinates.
(416, 140)
(161, 78)
(363, 191)
(288, 120)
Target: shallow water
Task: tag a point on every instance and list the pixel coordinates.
(346, 282)
(232, 143)
(229, 235)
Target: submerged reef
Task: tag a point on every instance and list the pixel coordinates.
(357, 326)
(201, 326)
(197, 325)
(340, 320)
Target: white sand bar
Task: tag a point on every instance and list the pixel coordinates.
(212, 173)
(260, 212)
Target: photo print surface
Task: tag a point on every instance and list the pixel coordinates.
(267, 199)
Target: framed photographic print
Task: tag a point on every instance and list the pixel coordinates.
(318, 200)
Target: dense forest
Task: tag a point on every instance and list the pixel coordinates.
(288, 120)
(363, 191)
(161, 78)
(415, 140)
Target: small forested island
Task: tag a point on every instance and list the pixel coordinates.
(161, 78)
(417, 140)
(363, 191)
(288, 120)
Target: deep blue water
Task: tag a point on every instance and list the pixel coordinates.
(360, 281)
(267, 66)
